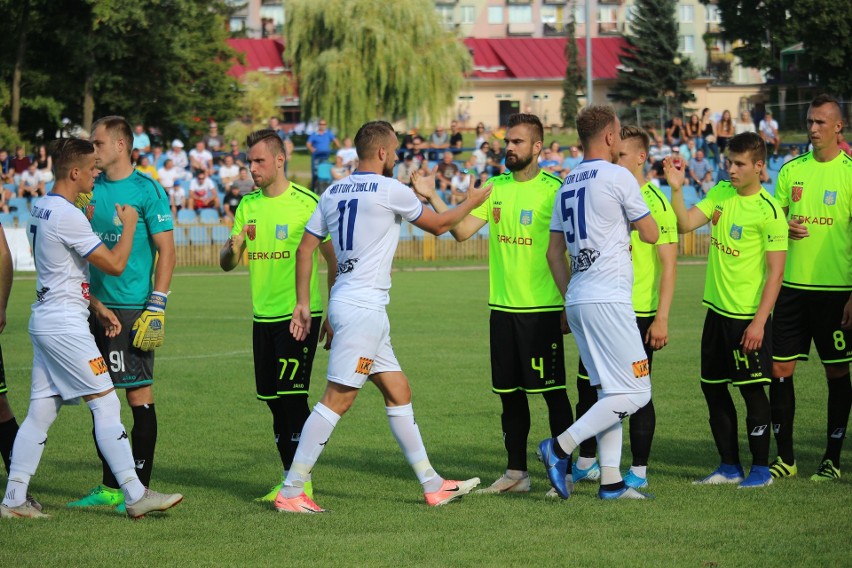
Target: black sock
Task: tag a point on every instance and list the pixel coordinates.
(782, 399)
(643, 422)
(839, 403)
(143, 438)
(587, 395)
(559, 413)
(723, 420)
(516, 428)
(8, 431)
(758, 418)
(288, 417)
(618, 486)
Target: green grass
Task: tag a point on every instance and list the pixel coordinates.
(215, 446)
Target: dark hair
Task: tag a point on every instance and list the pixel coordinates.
(370, 136)
(270, 137)
(118, 129)
(629, 132)
(748, 142)
(67, 153)
(530, 120)
(825, 99)
(592, 120)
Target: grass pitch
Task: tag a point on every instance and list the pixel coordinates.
(215, 446)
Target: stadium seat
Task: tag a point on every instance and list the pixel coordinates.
(209, 216)
(23, 218)
(180, 237)
(199, 235)
(7, 219)
(221, 233)
(187, 217)
(19, 203)
(324, 178)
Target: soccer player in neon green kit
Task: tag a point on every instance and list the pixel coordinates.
(815, 303)
(269, 223)
(137, 296)
(527, 316)
(748, 247)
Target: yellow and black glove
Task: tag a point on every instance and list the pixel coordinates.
(149, 330)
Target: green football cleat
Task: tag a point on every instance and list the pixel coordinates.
(100, 496)
(270, 497)
(826, 472)
(780, 469)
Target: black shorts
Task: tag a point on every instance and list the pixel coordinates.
(722, 359)
(526, 352)
(3, 387)
(129, 367)
(804, 315)
(643, 322)
(282, 365)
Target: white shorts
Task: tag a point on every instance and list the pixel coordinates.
(361, 346)
(610, 346)
(69, 366)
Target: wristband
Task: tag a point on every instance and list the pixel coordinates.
(156, 302)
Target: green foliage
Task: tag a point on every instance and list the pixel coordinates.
(260, 94)
(653, 74)
(825, 28)
(360, 60)
(575, 76)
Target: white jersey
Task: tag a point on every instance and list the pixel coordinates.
(61, 238)
(362, 212)
(593, 211)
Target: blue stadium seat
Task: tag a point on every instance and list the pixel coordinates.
(19, 202)
(324, 178)
(7, 219)
(187, 217)
(23, 218)
(180, 237)
(221, 233)
(209, 216)
(199, 235)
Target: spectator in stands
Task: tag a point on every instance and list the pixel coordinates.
(687, 149)
(674, 131)
(7, 171)
(481, 136)
(461, 183)
(167, 176)
(405, 169)
(31, 183)
(408, 140)
(134, 156)
(21, 163)
(768, 129)
(456, 139)
(348, 154)
(692, 130)
(228, 172)
(481, 157)
(708, 134)
(556, 153)
(157, 158)
(417, 153)
(179, 158)
(319, 145)
(202, 193)
(496, 158)
(44, 163)
(244, 182)
(659, 151)
(439, 141)
(706, 184)
(200, 159)
(144, 166)
(793, 153)
(444, 172)
(724, 130)
(232, 201)
(275, 124)
(572, 160)
(340, 170)
(213, 141)
(177, 196)
(141, 141)
(698, 168)
(744, 124)
(239, 157)
(546, 162)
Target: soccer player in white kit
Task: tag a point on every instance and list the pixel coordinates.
(362, 213)
(66, 362)
(592, 215)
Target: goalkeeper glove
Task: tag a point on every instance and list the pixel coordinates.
(149, 330)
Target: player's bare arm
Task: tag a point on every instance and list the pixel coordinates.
(466, 228)
(327, 250)
(753, 335)
(439, 223)
(164, 242)
(233, 250)
(797, 231)
(113, 262)
(657, 336)
(649, 231)
(300, 325)
(108, 319)
(687, 220)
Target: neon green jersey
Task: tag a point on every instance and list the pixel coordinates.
(274, 229)
(744, 229)
(819, 194)
(131, 289)
(519, 215)
(647, 267)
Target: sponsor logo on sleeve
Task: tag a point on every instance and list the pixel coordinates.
(85, 290)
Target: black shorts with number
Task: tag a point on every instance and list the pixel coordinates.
(282, 365)
(129, 367)
(526, 352)
(643, 322)
(804, 315)
(3, 387)
(722, 358)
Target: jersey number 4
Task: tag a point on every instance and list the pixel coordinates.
(575, 221)
(343, 207)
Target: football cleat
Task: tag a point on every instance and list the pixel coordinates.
(100, 496)
(725, 473)
(634, 481)
(450, 491)
(152, 501)
(593, 473)
(557, 468)
(759, 476)
(270, 497)
(299, 504)
(26, 510)
(623, 493)
(779, 469)
(826, 472)
(506, 484)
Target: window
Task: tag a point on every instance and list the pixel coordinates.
(686, 44)
(520, 14)
(607, 21)
(548, 14)
(580, 15)
(687, 13)
(445, 14)
(495, 14)
(468, 14)
(714, 16)
(631, 12)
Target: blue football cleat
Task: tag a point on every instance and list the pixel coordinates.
(623, 493)
(759, 476)
(725, 473)
(593, 473)
(557, 468)
(634, 481)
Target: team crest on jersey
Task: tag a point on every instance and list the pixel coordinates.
(796, 193)
(85, 290)
(830, 197)
(736, 232)
(251, 231)
(716, 215)
(495, 213)
(90, 211)
(282, 232)
(116, 221)
(526, 217)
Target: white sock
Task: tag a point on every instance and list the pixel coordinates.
(585, 463)
(640, 471)
(608, 410)
(115, 446)
(28, 448)
(567, 442)
(609, 450)
(315, 434)
(610, 475)
(407, 434)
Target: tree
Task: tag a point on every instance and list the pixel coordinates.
(652, 73)
(575, 76)
(359, 60)
(825, 29)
